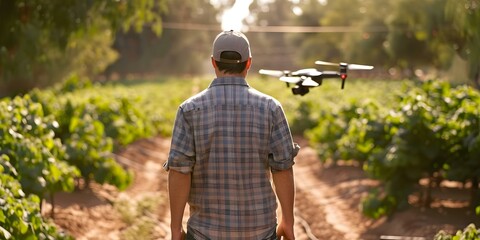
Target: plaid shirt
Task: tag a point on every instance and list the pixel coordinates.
(230, 137)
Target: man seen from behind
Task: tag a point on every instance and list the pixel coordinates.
(229, 141)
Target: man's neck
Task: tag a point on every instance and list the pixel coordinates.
(223, 74)
(230, 75)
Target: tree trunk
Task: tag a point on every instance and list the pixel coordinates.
(428, 195)
(475, 196)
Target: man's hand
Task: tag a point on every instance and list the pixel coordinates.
(286, 231)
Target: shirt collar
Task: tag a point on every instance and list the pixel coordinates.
(229, 81)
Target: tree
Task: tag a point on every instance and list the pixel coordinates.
(464, 35)
(42, 41)
(362, 43)
(404, 34)
(367, 45)
(311, 46)
(431, 32)
(413, 40)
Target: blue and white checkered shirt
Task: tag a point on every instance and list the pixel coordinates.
(229, 137)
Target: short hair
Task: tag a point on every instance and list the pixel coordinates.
(231, 67)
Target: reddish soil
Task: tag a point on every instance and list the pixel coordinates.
(327, 203)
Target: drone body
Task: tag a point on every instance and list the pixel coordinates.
(307, 78)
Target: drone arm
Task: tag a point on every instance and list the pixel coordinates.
(330, 74)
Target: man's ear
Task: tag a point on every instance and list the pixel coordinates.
(249, 63)
(214, 64)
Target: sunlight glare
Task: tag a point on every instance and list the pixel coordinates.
(297, 10)
(232, 18)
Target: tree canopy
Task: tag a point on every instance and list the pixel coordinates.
(464, 33)
(41, 40)
(403, 34)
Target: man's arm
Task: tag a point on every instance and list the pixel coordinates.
(178, 190)
(285, 189)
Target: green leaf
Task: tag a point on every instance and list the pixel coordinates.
(55, 173)
(2, 216)
(23, 226)
(74, 121)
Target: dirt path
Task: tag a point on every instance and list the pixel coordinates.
(317, 203)
(326, 203)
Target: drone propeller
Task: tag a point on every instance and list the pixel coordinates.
(349, 66)
(326, 63)
(274, 73)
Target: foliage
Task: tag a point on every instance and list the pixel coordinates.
(330, 128)
(51, 137)
(72, 84)
(20, 216)
(465, 16)
(90, 150)
(28, 139)
(430, 131)
(400, 135)
(88, 141)
(469, 233)
(128, 110)
(366, 133)
(369, 44)
(95, 120)
(431, 141)
(413, 40)
(406, 35)
(43, 41)
(350, 126)
(303, 118)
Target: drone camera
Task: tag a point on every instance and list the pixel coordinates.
(300, 90)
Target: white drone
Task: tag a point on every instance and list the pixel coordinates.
(311, 77)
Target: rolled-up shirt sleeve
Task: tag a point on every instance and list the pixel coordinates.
(282, 149)
(181, 157)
